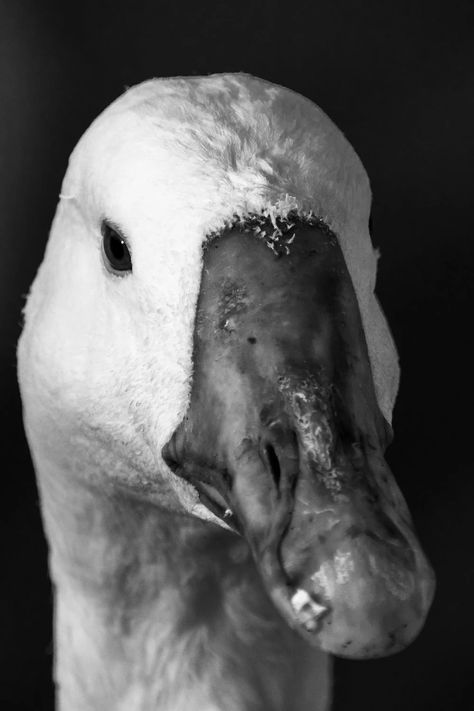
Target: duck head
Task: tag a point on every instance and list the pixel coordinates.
(203, 332)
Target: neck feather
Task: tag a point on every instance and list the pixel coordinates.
(157, 611)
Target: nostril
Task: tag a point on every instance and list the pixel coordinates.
(274, 464)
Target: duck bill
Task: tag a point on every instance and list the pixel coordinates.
(284, 440)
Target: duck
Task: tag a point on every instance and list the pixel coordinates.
(208, 381)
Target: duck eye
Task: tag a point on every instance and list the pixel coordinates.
(115, 252)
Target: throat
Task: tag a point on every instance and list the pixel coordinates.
(156, 610)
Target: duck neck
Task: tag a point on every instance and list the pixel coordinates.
(160, 611)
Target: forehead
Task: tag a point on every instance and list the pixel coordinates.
(248, 142)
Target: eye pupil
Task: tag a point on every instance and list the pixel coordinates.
(117, 247)
(114, 249)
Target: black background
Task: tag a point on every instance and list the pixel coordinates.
(397, 79)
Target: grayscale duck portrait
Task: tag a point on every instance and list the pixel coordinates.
(211, 351)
